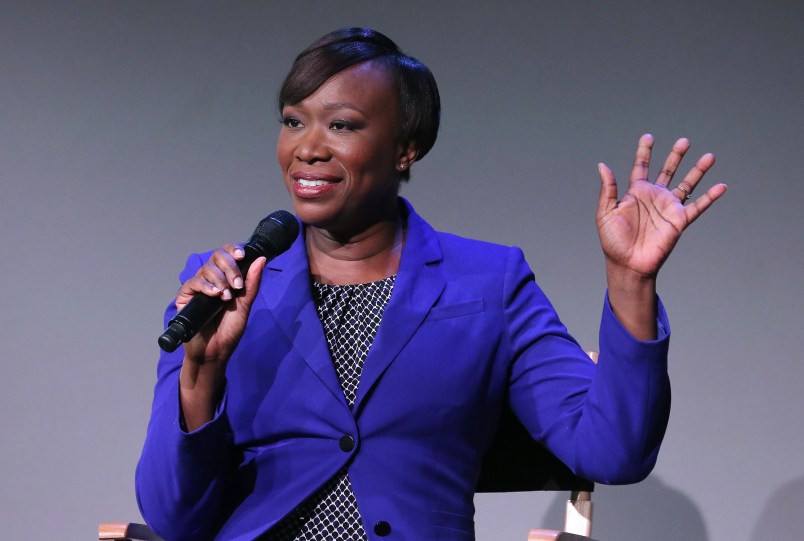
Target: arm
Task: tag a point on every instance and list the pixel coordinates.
(181, 475)
(607, 421)
(203, 371)
(604, 421)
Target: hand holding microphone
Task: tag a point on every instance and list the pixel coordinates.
(210, 289)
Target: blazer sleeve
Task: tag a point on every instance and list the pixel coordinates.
(605, 421)
(180, 477)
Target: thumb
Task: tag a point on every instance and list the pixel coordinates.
(607, 200)
(253, 280)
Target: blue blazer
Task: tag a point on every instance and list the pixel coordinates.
(466, 330)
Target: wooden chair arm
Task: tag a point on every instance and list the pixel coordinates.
(126, 531)
(112, 530)
(543, 535)
(553, 535)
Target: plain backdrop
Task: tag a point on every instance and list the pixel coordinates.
(135, 132)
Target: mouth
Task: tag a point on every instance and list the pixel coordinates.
(313, 184)
(310, 179)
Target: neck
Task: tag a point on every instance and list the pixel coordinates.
(369, 256)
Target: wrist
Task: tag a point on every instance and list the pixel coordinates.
(632, 297)
(200, 389)
(628, 277)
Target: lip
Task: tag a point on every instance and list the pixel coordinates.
(314, 175)
(313, 192)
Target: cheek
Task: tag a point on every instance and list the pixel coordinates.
(374, 160)
(282, 153)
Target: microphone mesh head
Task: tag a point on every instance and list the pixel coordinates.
(278, 230)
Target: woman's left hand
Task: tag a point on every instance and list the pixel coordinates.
(639, 231)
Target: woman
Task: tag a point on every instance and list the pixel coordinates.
(352, 388)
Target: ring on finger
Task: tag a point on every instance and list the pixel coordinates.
(687, 193)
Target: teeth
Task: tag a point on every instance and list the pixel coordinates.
(310, 183)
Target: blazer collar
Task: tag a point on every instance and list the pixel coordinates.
(287, 294)
(419, 284)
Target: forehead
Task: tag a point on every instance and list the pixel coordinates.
(368, 87)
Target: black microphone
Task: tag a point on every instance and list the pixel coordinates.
(273, 235)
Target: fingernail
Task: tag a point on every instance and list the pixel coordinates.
(238, 283)
(215, 289)
(227, 295)
(239, 253)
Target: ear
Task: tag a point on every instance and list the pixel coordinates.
(406, 156)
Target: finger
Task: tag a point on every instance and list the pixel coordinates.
(607, 200)
(697, 207)
(642, 159)
(671, 163)
(212, 272)
(687, 186)
(225, 259)
(253, 279)
(196, 285)
(234, 250)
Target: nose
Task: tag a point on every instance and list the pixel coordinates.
(312, 146)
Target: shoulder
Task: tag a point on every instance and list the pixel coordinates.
(452, 249)
(476, 252)
(481, 260)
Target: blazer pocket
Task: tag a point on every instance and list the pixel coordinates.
(455, 310)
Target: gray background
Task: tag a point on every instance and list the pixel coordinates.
(132, 133)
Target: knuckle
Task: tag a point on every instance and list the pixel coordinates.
(211, 274)
(223, 261)
(192, 286)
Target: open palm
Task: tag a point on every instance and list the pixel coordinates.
(639, 231)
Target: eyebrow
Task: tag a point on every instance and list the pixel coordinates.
(336, 106)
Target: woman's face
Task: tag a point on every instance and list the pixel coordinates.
(340, 154)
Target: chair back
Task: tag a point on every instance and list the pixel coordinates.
(515, 462)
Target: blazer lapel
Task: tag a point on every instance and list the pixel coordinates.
(288, 296)
(418, 286)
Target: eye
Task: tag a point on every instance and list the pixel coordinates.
(291, 122)
(341, 125)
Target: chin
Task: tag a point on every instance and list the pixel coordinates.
(314, 214)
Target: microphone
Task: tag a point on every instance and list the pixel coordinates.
(273, 236)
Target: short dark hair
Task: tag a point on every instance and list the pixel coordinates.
(417, 92)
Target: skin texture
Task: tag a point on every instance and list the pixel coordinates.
(345, 134)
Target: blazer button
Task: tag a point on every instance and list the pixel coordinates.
(347, 443)
(382, 528)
